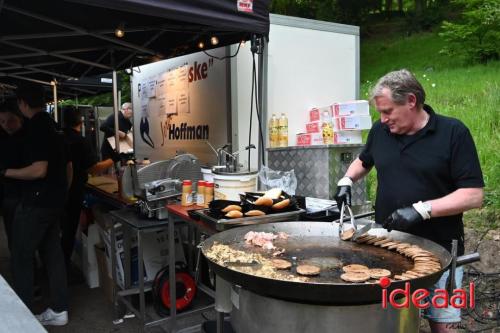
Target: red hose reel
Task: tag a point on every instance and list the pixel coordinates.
(187, 284)
(185, 287)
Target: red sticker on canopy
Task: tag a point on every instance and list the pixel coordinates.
(245, 6)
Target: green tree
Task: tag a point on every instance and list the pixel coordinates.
(476, 38)
(339, 11)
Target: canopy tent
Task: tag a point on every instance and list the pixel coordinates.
(68, 40)
(233, 16)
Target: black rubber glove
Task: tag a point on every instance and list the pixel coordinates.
(2, 174)
(403, 219)
(343, 195)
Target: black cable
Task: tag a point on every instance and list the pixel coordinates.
(225, 57)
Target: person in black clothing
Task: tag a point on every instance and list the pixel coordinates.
(428, 173)
(84, 162)
(11, 146)
(36, 218)
(108, 127)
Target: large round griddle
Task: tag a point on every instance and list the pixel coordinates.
(318, 243)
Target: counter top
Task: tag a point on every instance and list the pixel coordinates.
(106, 188)
(132, 218)
(182, 212)
(316, 147)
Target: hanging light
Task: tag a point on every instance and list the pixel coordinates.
(201, 45)
(214, 40)
(120, 30)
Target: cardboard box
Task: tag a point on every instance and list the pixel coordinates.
(351, 108)
(309, 139)
(155, 254)
(303, 139)
(105, 280)
(313, 127)
(120, 257)
(352, 123)
(155, 251)
(347, 137)
(155, 248)
(126, 144)
(344, 137)
(316, 114)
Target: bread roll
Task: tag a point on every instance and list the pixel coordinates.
(264, 201)
(231, 207)
(273, 193)
(255, 212)
(234, 214)
(282, 204)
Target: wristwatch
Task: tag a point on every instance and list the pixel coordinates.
(428, 207)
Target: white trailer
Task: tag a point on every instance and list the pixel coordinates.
(306, 63)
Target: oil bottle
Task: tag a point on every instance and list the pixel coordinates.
(273, 131)
(283, 131)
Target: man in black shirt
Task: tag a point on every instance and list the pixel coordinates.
(11, 146)
(37, 216)
(428, 172)
(108, 127)
(84, 162)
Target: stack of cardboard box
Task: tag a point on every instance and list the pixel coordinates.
(346, 119)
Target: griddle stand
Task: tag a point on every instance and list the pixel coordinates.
(457, 262)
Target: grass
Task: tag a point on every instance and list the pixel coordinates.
(470, 93)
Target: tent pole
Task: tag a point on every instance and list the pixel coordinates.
(116, 110)
(260, 99)
(54, 94)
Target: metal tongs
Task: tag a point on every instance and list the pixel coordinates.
(341, 220)
(357, 232)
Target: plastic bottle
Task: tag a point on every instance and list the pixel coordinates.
(283, 131)
(273, 131)
(200, 193)
(187, 193)
(209, 192)
(327, 127)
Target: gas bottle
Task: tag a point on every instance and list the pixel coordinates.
(283, 131)
(273, 131)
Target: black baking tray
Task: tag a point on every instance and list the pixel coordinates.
(224, 223)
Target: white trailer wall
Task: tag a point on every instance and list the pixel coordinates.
(241, 88)
(307, 63)
(185, 102)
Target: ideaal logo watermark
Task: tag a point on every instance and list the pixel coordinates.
(460, 298)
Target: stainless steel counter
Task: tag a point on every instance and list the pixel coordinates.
(318, 168)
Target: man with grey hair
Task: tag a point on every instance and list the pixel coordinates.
(428, 173)
(108, 127)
